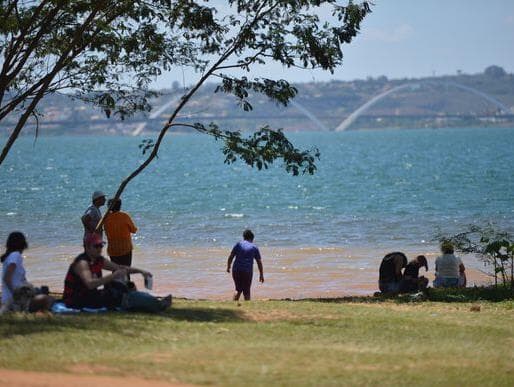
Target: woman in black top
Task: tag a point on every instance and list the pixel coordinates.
(411, 281)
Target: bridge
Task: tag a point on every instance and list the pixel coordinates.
(348, 121)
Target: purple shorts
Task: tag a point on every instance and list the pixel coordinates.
(242, 281)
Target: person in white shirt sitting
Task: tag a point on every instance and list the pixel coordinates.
(17, 293)
(449, 269)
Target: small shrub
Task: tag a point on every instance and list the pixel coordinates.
(494, 247)
(477, 293)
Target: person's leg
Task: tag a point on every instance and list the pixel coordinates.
(125, 260)
(422, 283)
(237, 295)
(166, 302)
(453, 282)
(462, 280)
(389, 288)
(95, 299)
(446, 282)
(247, 284)
(145, 302)
(236, 276)
(41, 303)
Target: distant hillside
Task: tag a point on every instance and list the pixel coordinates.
(485, 99)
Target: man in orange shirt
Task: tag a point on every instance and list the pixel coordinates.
(118, 227)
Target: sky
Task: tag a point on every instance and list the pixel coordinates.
(413, 39)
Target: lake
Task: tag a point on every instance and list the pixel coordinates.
(321, 235)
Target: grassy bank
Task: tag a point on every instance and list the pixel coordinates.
(276, 342)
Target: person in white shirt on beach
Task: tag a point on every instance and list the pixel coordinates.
(17, 293)
(449, 269)
(92, 215)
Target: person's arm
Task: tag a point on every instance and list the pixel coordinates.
(229, 260)
(132, 227)
(261, 270)
(9, 272)
(398, 265)
(111, 266)
(82, 270)
(462, 269)
(87, 222)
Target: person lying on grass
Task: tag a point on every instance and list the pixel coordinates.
(84, 277)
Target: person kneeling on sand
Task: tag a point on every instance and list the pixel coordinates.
(244, 252)
(390, 272)
(84, 277)
(449, 269)
(411, 281)
(17, 294)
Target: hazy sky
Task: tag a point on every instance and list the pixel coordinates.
(417, 38)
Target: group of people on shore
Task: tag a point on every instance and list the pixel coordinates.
(398, 275)
(85, 286)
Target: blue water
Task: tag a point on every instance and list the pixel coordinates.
(385, 189)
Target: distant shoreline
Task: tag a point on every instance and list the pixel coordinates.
(29, 132)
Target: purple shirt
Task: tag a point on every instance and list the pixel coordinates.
(245, 252)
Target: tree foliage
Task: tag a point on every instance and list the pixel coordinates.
(495, 72)
(107, 52)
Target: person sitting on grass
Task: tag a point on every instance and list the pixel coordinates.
(244, 252)
(449, 269)
(411, 281)
(17, 294)
(390, 272)
(84, 277)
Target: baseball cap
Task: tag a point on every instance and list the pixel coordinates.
(97, 194)
(94, 239)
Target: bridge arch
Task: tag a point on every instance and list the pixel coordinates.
(173, 101)
(345, 124)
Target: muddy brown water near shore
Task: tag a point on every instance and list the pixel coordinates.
(200, 273)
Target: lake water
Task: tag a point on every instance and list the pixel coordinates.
(321, 235)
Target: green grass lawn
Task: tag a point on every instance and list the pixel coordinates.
(276, 343)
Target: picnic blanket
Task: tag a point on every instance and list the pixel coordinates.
(60, 308)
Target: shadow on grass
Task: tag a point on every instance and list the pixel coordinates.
(489, 293)
(205, 314)
(348, 299)
(25, 324)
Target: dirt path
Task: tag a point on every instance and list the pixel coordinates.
(13, 378)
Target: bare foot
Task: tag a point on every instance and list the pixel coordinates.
(166, 302)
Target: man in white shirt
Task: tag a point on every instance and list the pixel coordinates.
(93, 215)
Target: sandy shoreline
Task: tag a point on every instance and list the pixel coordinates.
(290, 272)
